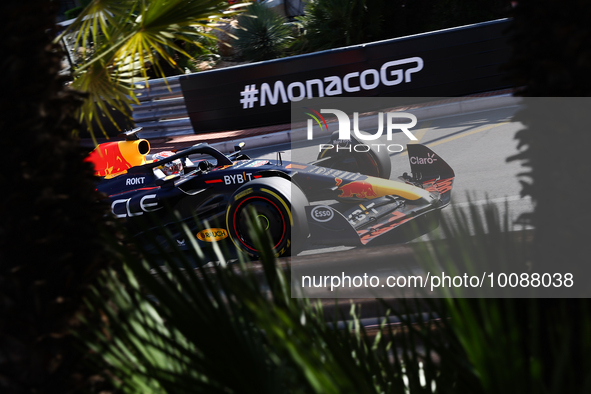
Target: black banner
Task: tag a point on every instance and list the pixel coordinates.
(447, 63)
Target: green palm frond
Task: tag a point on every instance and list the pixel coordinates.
(111, 32)
(99, 18)
(262, 33)
(106, 90)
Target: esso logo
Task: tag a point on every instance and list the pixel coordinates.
(322, 213)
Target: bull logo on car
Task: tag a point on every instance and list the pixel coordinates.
(359, 189)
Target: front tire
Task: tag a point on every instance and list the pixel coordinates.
(279, 207)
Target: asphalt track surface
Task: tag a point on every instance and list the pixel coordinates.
(475, 145)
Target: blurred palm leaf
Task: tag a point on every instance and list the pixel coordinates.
(508, 344)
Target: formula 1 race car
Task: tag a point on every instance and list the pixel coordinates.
(343, 198)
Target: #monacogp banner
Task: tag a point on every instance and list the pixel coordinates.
(447, 63)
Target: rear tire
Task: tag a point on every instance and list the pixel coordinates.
(375, 162)
(279, 207)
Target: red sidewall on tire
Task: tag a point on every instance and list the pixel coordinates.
(241, 209)
(279, 208)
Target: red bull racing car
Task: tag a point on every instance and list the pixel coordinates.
(343, 198)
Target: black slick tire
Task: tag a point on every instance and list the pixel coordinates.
(279, 208)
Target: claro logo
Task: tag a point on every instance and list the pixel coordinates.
(390, 73)
(423, 160)
(212, 234)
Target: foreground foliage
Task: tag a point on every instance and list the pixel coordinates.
(220, 330)
(517, 345)
(49, 218)
(550, 62)
(229, 329)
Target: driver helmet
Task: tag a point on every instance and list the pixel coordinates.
(170, 168)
